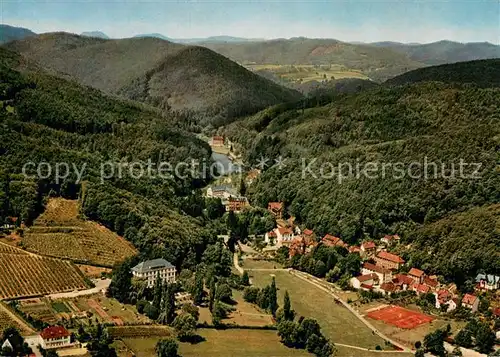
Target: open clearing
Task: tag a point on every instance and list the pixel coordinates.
(337, 322)
(223, 343)
(303, 73)
(59, 232)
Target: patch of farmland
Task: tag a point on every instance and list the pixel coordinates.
(30, 275)
(59, 232)
(7, 320)
(9, 249)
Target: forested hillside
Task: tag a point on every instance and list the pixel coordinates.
(190, 81)
(401, 127)
(483, 73)
(377, 63)
(45, 119)
(442, 52)
(11, 33)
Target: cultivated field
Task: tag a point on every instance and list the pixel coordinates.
(59, 232)
(30, 275)
(223, 343)
(303, 73)
(338, 324)
(9, 249)
(8, 320)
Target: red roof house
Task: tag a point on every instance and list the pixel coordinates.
(417, 274)
(389, 260)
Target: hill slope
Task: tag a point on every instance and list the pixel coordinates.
(49, 119)
(483, 73)
(376, 63)
(170, 76)
(11, 33)
(356, 167)
(442, 52)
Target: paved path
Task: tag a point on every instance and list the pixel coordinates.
(99, 286)
(365, 349)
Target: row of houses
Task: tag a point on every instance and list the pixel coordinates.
(230, 198)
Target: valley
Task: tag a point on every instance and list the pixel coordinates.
(358, 213)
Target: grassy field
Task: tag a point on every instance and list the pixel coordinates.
(222, 343)
(259, 264)
(303, 73)
(336, 321)
(59, 232)
(343, 351)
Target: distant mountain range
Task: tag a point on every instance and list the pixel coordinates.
(443, 52)
(378, 61)
(11, 33)
(97, 34)
(171, 76)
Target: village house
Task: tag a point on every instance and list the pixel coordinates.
(403, 281)
(369, 280)
(309, 234)
(276, 209)
(384, 275)
(270, 238)
(302, 244)
(368, 249)
(284, 236)
(388, 288)
(417, 274)
(221, 191)
(55, 337)
(445, 298)
(389, 260)
(419, 288)
(332, 241)
(471, 302)
(151, 269)
(390, 240)
(354, 249)
(236, 204)
(488, 282)
(431, 282)
(217, 141)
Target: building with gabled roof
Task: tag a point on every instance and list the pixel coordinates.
(367, 279)
(390, 239)
(368, 248)
(55, 337)
(389, 260)
(388, 288)
(403, 281)
(150, 270)
(276, 209)
(420, 288)
(417, 274)
(384, 275)
(488, 282)
(470, 301)
(332, 241)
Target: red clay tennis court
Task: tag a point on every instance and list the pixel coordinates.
(400, 317)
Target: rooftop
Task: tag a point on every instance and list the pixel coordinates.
(154, 264)
(391, 257)
(54, 332)
(375, 268)
(368, 245)
(416, 272)
(469, 299)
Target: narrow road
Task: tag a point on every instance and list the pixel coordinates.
(99, 286)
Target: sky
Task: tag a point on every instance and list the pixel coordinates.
(355, 20)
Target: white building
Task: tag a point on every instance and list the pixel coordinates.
(55, 337)
(222, 191)
(150, 269)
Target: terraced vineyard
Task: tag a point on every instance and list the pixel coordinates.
(7, 320)
(30, 275)
(8, 249)
(59, 232)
